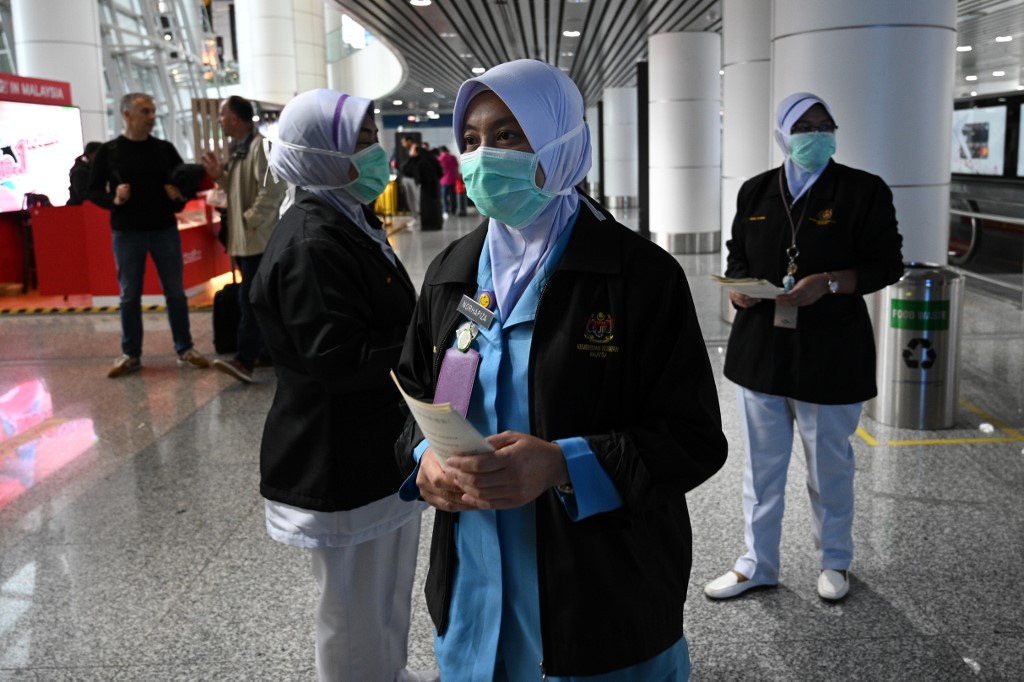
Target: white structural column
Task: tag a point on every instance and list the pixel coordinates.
(886, 70)
(746, 100)
(310, 45)
(266, 49)
(60, 40)
(685, 104)
(621, 165)
(594, 174)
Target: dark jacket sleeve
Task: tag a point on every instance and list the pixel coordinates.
(879, 243)
(674, 441)
(325, 307)
(736, 260)
(172, 159)
(102, 186)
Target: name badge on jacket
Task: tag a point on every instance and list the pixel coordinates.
(785, 316)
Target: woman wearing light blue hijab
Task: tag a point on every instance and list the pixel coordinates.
(827, 234)
(566, 552)
(333, 303)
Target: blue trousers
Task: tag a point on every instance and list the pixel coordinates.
(825, 431)
(164, 247)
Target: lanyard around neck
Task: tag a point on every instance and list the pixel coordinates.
(792, 252)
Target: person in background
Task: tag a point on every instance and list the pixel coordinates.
(449, 175)
(425, 168)
(130, 177)
(252, 213)
(410, 181)
(333, 302)
(827, 234)
(78, 189)
(460, 194)
(569, 547)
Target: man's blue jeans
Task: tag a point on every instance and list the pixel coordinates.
(164, 247)
(250, 340)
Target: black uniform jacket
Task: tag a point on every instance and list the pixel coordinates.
(617, 357)
(849, 222)
(333, 311)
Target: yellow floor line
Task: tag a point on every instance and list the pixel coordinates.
(867, 437)
(954, 441)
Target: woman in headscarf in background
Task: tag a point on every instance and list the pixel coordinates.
(566, 552)
(333, 303)
(827, 234)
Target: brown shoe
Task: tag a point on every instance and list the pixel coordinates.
(124, 365)
(234, 369)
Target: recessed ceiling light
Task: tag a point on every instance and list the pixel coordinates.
(428, 89)
(1020, 87)
(478, 69)
(446, 34)
(998, 73)
(397, 102)
(466, 55)
(964, 48)
(568, 54)
(721, 72)
(419, 3)
(974, 94)
(1003, 39)
(376, 111)
(971, 78)
(430, 113)
(571, 34)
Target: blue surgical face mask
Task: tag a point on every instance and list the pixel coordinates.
(371, 164)
(811, 151)
(502, 182)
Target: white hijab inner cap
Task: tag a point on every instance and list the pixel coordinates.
(548, 106)
(789, 112)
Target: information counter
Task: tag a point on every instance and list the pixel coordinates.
(74, 253)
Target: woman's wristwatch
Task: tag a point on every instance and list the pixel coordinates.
(833, 283)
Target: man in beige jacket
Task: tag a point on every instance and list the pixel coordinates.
(253, 203)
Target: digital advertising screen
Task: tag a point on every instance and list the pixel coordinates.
(38, 145)
(979, 140)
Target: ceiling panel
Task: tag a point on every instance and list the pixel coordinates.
(441, 43)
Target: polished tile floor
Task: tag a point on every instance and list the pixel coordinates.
(132, 544)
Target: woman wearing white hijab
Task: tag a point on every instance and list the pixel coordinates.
(333, 303)
(827, 234)
(571, 549)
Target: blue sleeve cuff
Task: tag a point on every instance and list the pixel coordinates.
(409, 490)
(593, 490)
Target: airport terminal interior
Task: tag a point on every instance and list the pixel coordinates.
(133, 544)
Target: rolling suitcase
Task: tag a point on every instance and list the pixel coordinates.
(225, 318)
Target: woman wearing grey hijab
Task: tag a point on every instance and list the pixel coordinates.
(333, 302)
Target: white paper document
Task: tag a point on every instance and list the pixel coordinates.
(446, 430)
(754, 288)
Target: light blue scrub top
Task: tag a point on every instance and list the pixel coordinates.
(494, 621)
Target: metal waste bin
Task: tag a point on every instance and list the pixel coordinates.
(917, 335)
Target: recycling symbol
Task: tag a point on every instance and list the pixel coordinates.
(924, 358)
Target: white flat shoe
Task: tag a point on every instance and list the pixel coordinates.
(833, 585)
(728, 585)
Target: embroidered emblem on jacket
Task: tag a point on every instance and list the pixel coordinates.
(599, 330)
(757, 217)
(824, 217)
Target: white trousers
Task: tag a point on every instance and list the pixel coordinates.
(362, 618)
(825, 431)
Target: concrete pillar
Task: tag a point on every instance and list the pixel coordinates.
(621, 170)
(310, 45)
(886, 70)
(266, 49)
(746, 101)
(594, 174)
(60, 40)
(685, 140)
